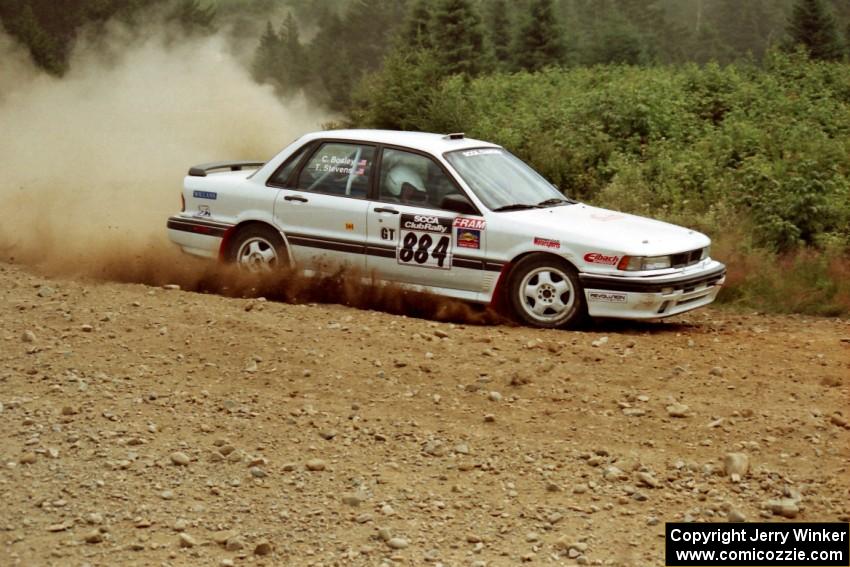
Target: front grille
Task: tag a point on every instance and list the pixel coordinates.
(684, 259)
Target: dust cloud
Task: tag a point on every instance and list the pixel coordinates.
(92, 165)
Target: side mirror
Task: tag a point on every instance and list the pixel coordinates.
(458, 204)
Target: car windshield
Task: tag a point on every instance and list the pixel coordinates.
(503, 181)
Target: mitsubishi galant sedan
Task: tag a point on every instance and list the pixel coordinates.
(443, 214)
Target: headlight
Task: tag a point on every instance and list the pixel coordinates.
(656, 262)
(706, 252)
(641, 263)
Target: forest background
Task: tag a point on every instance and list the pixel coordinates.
(729, 116)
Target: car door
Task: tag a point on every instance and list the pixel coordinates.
(322, 206)
(411, 237)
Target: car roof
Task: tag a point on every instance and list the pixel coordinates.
(424, 141)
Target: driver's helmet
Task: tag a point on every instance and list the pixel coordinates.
(402, 175)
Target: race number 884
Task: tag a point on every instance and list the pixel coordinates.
(425, 249)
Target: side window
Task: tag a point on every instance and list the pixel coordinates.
(281, 176)
(413, 179)
(338, 169)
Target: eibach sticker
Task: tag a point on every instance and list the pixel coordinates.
(547, 242)
(597, 258)
(474, 224)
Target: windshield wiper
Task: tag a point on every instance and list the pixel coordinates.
(552, 202)
(514, 207)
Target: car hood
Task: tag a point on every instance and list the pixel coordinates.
(621, 232)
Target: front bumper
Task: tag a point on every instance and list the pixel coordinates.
(653, 297)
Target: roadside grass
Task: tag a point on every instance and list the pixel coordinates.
(806, 281)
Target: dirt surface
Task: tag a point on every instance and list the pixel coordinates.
(144, 426)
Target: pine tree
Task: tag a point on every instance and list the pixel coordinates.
(336, 78)
(193, 16)
(813, 26)
(540, 42)
(847, 39)
(417, 28)
(459, 39)
(500, 32)
(265, 64)
(291, 64)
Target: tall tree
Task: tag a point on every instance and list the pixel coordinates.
(847, 39)
(813, 26)
(459, 38)
(540, 42)
(417, 27)
(499, 30)
(193, 15)
(291, 64)
(265, 63)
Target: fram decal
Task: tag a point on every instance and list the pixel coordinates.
(607, 297)
(546, 242)
(597, 258)
(205, 195)
(474, 224)
(467, 238)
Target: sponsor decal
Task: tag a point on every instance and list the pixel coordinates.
(203, 211)
(474, 224)
(607, 297)
(482, 152)
(547, 242)
(467, 238)
(606, 217)
(211, 195)
(426, 241)
(597, 258)
(349, 226)
(426, 223)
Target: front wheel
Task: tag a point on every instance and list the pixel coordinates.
(258, 250)
(545, 292)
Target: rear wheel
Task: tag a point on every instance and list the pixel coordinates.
(545, 292)
(258, 249)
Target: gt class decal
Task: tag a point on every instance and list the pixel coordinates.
(425, 240)
(597, 258)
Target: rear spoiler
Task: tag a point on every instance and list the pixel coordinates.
(203, 169)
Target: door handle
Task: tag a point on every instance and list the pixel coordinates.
(298, 198)
(386, 210)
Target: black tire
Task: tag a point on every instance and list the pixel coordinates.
(545, 291)
(258, 249)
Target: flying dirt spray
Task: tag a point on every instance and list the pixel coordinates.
(92, 163)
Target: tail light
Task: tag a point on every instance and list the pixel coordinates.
(182, 202)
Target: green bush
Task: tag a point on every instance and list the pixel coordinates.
(760, 148)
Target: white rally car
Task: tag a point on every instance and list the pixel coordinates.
(447, 215)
